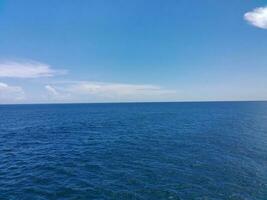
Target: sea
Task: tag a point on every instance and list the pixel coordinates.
(177, 151)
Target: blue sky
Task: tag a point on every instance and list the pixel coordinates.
(142, 50)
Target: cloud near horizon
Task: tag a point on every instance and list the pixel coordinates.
(10, 93)
(257, 17)
(94, 91)
(27, 69)
(70, 91)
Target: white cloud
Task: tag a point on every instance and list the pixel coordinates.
(55, 94)
(99, 91)
(116, 89)
(51, 90)
(10, 94)
(28, 69)
(257, 17)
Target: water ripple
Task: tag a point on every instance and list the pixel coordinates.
(200, 151)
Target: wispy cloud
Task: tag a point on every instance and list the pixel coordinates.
(51, 90)
(9, 94)
(116, 89)
(100, 91)
(257, 17)
(59, 95)
(27, 69)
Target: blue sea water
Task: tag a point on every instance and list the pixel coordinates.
(202, 151)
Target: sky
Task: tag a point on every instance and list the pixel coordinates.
(132, 51)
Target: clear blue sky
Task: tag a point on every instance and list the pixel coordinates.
(141, 50)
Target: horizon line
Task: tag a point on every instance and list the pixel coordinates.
(134, 102)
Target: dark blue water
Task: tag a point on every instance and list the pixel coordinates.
(134, 151)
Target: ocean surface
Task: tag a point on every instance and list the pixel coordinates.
(201, 151)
